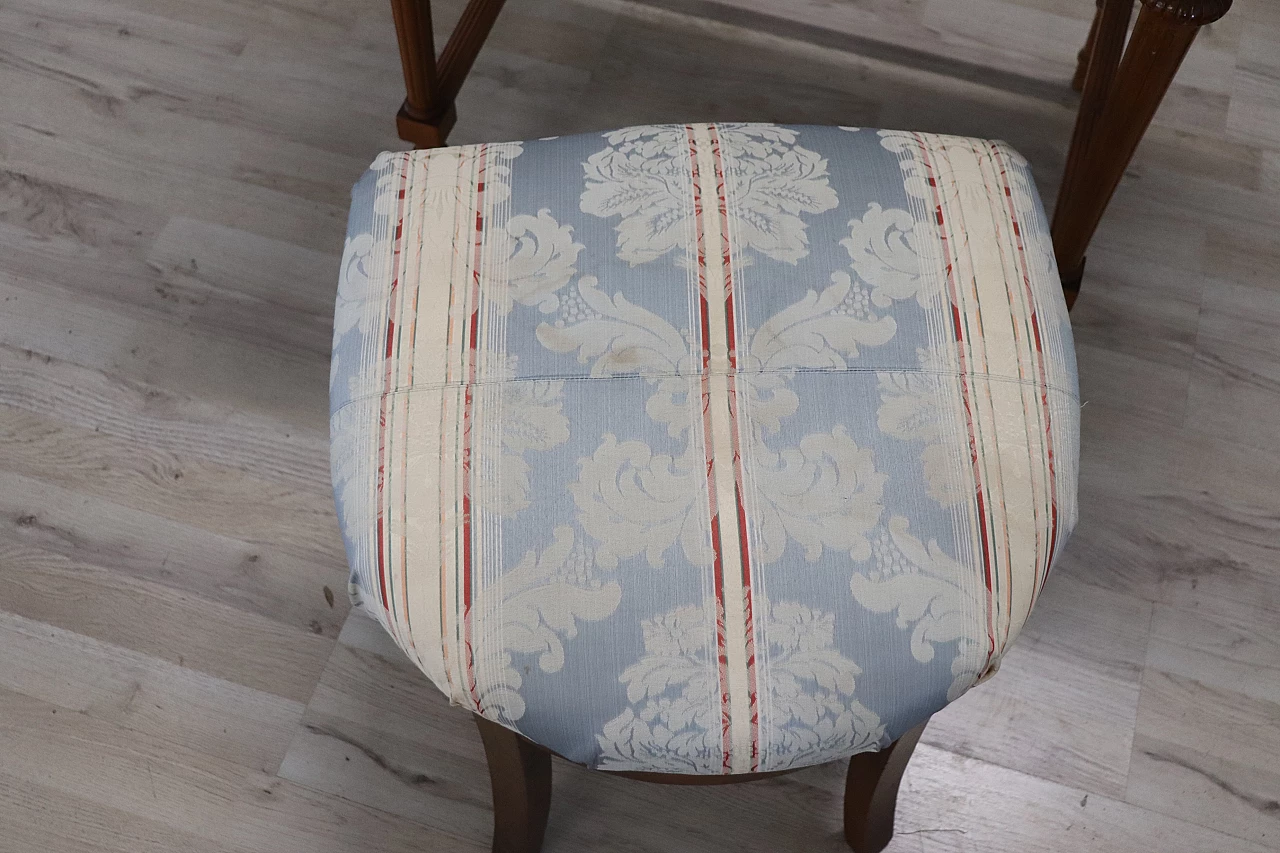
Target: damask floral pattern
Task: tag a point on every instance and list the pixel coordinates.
(923, 587)
(824, 491)
(541, 255)
(678, 445)
(532, 420)
(885, 249)
(909, 412)
(643, 176)
(809, 709)
(534, 609)
(671, 724)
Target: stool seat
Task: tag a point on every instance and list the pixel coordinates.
(709, 448)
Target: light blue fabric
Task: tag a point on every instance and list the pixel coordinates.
(868, 406)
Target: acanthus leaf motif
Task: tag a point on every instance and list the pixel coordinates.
(922, 585)
(531, 610)
(644, 177)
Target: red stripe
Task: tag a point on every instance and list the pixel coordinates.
(968, 407)
(387, 383)
(473, 330)
(744, 543)
(716, 547)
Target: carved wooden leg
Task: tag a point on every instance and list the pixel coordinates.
(871, 793)
(420, 118)
(520, 773)
(427, 115)
(1118, 103)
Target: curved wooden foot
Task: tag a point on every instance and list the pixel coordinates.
(520, 773)
(871, 793)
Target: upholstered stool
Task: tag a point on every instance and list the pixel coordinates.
(716, 450)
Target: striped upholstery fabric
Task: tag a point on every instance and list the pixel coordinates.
(703, 449)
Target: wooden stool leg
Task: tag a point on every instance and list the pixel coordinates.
(520, 773)
(871, 793)
(1117, 106)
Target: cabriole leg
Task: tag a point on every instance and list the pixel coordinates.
(871, 793)
(520, 773)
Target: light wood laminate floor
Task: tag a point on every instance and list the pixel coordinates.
(177, 672)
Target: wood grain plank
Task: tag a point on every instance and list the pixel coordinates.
(257, 579)
(130, 68)
(142, 346)
(1205, 752)
(162, 622)
(42, 153)
(1168, 515)
(198, 274)
(1064, 704)
(171, 485)
(143, 415)
(240, 808)
(39, 818)
(141, 693)
(1232, 798)
(1017, 812)
(1216, 721)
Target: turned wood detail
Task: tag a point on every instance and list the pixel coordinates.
(1122, 88)
(427, 114)
(520, 774)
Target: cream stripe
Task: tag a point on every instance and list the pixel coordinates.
(451, 403)
(372, 354)
(966, 532)
(1004, 440)
(488, 624)
(1039, 420)
(451, 474)
(397, 430)
(1028, 517)
(722, 462)
(992, 285)
(1036, 511)
(952, 229)
(389, 458)
(959, 176)
(464, 496)
(433, 265)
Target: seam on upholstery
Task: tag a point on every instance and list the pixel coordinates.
(648, 377)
